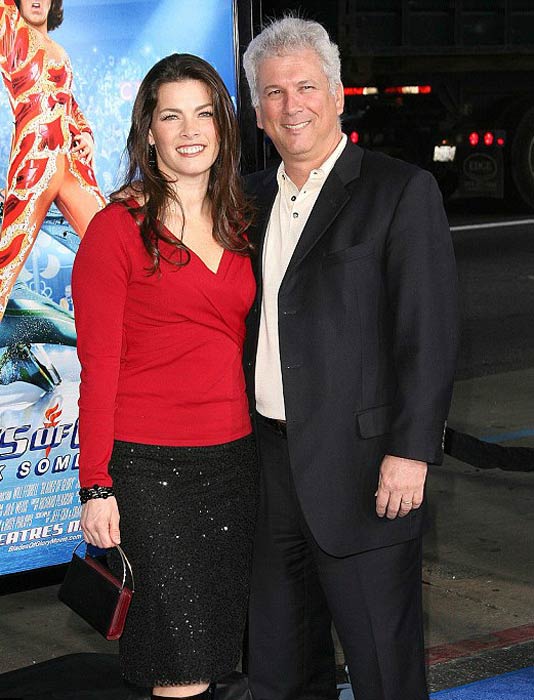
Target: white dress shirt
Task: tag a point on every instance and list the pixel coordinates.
(289, 215)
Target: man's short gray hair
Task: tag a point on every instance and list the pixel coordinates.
(284, 36)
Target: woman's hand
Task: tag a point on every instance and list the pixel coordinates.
(100, 522)
(84, 146)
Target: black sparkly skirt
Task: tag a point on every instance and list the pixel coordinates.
(187, 517)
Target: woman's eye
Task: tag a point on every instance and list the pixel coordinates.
(167, 117)
(206, 114)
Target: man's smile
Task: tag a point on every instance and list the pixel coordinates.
(296, 127)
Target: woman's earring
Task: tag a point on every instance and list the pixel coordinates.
(152, 161)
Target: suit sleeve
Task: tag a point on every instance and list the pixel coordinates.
(99, 288)
(422, 291)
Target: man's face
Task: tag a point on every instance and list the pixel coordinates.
(297, 110)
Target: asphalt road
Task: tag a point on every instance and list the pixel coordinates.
(496, 274)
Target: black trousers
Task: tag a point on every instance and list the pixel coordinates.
(374, 599)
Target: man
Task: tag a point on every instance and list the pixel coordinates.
(351, 354)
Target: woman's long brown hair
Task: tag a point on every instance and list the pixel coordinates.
(231, 212)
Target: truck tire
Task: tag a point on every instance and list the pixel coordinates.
(522, 158)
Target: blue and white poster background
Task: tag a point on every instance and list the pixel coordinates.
(111, 44)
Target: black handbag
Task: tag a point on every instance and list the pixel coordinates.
(96, 595)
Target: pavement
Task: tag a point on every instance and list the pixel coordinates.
(479, 555)
(478, 565)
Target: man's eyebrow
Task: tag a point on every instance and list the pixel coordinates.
(304, 81)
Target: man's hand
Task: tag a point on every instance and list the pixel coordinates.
(100, 522)
(400, 486)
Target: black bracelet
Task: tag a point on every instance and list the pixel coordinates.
(87, 493)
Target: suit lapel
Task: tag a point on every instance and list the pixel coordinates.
(333, 197)
(331, 201)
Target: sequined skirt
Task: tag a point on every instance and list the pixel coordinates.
(187, 524)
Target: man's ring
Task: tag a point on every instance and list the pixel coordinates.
(408, 503)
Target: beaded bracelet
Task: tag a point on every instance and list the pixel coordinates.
(87, 493)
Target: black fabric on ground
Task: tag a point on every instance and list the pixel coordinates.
(91, 677)
(488, 455)
(69, 677)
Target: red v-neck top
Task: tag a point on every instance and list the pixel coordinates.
(160, 353)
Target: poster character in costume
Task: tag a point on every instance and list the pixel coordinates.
(52, 147)
(165, 433)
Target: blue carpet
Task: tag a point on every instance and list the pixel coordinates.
(517, 685)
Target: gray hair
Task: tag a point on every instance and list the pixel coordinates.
(284, 36)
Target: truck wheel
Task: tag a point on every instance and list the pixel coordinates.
(522, 158)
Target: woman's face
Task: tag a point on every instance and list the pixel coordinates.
(183, 130)
(35, 12)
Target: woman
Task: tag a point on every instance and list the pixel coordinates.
(52, 147)
(162, 283)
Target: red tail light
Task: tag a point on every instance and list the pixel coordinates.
(409, 90)
(367, 90)
(473, 138)
(354, 136)
(500, 141)
(488, 138)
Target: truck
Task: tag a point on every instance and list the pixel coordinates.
(446, 84)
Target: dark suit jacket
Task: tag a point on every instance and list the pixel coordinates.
(368, 340)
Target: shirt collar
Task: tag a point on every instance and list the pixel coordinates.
(320, 173)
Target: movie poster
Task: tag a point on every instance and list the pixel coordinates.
(54, 97)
